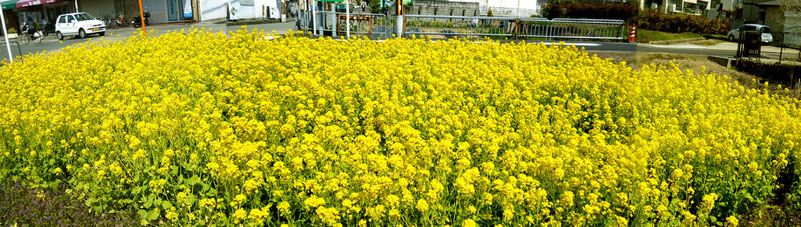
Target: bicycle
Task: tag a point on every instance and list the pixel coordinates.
(36, 37)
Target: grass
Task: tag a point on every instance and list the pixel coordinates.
(713, 36)
(646, 36)
(708, 42)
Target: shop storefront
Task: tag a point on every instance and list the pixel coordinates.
(42, 11)
(166, 11)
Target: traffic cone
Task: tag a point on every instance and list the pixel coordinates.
(633, 33)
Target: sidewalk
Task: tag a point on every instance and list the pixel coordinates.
(771, 52)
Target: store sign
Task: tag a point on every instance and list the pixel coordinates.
(26, 3)
(188, 9)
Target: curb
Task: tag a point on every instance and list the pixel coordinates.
(676, 41)
(255, 22)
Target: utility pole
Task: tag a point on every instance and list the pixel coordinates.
(5, 34)
(399, 18)
(141, 17)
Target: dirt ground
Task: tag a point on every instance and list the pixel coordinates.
(694, 63)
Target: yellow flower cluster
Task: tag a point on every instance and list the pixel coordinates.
(210, 128)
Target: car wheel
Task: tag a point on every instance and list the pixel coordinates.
(82, 33)
(59, 35)
(102, 34)
(731, 38)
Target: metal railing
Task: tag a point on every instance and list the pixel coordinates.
(436, 26)
(366, 24)
(521, 27)
(361, 24)
(4, 52)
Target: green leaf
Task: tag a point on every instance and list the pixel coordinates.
(152, 214)
(53, 185)
(157, 202)
(166, 204)
(190, 199)
(194, 180)
(142, 214)
(90, 201)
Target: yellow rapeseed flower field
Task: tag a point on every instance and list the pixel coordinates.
(202, 128)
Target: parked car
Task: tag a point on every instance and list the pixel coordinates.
(734, 34)
(79, 24)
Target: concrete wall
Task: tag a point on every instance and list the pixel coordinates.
(775, 20)
(433, 7)
(98, 8)
(213, 9)
(792, 28)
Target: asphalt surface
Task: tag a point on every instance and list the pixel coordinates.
(50, 44)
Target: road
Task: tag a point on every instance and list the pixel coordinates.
(50, 43)
(724, 49)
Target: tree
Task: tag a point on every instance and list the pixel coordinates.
(375, 5)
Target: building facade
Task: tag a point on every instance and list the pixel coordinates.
(161, 11)
(696, 7)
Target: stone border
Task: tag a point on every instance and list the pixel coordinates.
(676, 41)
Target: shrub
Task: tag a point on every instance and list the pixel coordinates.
(221, 129)
(678, 23)
(586, 10)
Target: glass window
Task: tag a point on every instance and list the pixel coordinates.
(84, 16)
(765, 30)
(62, 20)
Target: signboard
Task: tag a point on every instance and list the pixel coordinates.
(188, 9)
(26, 3)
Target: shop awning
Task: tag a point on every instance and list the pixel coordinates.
(26, 3)
(9, 4)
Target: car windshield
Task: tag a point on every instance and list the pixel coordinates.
(84, 16)
(765, 30)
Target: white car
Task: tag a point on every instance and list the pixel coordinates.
(734, 34)
(80, 24)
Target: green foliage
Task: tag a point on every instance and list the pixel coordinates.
(679, 23)
(585, 10)
(645, 36)
(375, 5)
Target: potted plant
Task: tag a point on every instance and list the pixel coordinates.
(12, 33)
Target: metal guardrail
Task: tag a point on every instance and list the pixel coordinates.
(521, 27)
(3, 52)
(361, 24)
(381, 26)
(366, 24)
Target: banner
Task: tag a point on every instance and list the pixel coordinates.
(188, 9)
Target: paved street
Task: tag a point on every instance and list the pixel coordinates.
(722, 49)
(50, 43)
